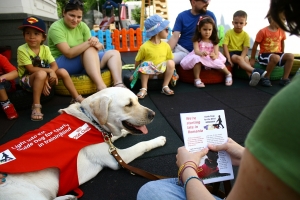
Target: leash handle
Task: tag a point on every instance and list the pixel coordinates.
(134, 169)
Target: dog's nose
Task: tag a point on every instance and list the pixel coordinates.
(151, 114)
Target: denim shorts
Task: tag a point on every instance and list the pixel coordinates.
(5, 85)
(74, 65)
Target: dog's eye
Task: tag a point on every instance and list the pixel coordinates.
(130, 104)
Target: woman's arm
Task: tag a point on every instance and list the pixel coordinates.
(195, 189)
(69, 52)
(254, 181)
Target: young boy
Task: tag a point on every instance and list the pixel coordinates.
(236, 45)
(7, 75)
(37, 68)
(271, 42)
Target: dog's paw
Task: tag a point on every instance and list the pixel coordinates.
(161, 141)
(66, 197)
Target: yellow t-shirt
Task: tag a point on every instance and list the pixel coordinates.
(156, 53)
(236, 41)
(23, 57)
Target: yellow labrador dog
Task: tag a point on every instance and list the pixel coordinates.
(115, 110)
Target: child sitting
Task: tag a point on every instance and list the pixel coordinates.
(37, 68)
(206, 52)
(154, 58)
(236, 45)
(271, 43)
(7, 75)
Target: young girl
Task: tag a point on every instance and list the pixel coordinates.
(206, 52)
(154, 58)
(37, 68)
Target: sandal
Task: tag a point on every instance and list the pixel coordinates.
(198, 83)
(35, 113)
(120, 85)
(142, 93)
(167, 91)
(78, 99)
(228, 80)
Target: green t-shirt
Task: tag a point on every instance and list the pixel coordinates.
(275, 140)
(25, 55)
(236, 41)
(59, 32)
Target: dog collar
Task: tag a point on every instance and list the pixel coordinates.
(96, 124)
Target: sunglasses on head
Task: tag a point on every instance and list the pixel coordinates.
(204, 1)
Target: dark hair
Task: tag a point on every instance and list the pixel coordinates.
(240, 13)
(206, 20)
(288, 9)
(73, 5)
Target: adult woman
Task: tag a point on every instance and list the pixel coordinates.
(269, 163)
(75, 50)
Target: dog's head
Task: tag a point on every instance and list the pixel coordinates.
(212, 157)
(118, 108)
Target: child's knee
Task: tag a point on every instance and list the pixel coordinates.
(274, 58)
(62, 72)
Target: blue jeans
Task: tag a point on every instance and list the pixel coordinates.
(163, 189)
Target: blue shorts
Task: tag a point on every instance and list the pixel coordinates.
(74, 65)
(264, 58)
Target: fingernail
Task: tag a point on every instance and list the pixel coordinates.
(3, 180)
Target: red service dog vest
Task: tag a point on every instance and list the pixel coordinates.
(55, 144)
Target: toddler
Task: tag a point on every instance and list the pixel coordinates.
(154, 58)
(206, 52)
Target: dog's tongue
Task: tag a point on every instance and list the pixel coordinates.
(142, 128)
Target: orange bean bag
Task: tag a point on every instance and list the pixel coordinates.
(207, 76)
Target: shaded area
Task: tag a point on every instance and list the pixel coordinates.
(242, 105)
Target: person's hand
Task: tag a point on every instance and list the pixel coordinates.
(232, 148)
(203, 53)
(230, 62)
(99, 46)
(52, 79)
(46, 88)
(213, 56)
(131, 78)
(2, 79)
(93, 41)
(252, 62)
(183, 155)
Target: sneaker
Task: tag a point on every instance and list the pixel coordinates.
(265, 82)
(261, 72)
(10, 111)
(284, 82)
(254, 78)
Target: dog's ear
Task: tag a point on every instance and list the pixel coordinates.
(100, 108)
